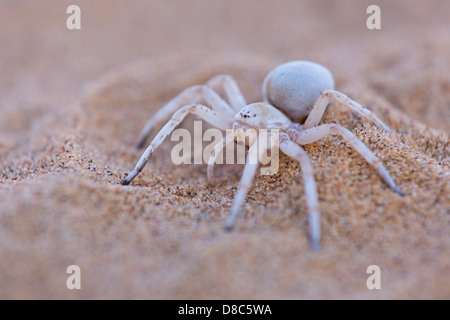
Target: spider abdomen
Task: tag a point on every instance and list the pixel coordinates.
(294, 87)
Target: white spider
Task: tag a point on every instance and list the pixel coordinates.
(293, 91)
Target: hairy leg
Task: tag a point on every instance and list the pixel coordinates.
(232, 91)
(190, 95)
(311, 135)
(254, 155)
(329, 96)
(203, 112)
(215, 153)
(296, 152)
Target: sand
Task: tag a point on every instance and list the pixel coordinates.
(73, 103)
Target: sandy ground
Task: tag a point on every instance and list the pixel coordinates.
(73, 103)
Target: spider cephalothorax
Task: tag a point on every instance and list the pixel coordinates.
(296, 95)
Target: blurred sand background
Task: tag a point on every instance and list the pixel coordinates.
(73, 102)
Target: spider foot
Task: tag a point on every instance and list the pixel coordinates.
(315, 245)
(139, 144)
(229, 225)
(125, 182)
(398, 191)
(211, 181)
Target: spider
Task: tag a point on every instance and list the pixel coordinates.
(296, 95)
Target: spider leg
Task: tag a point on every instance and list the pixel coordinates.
(232, 91)
(229, 138)
(211, 116)
(296, 152)
(246, 180)
(191, 95)
(311, 135)
(328, 96)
